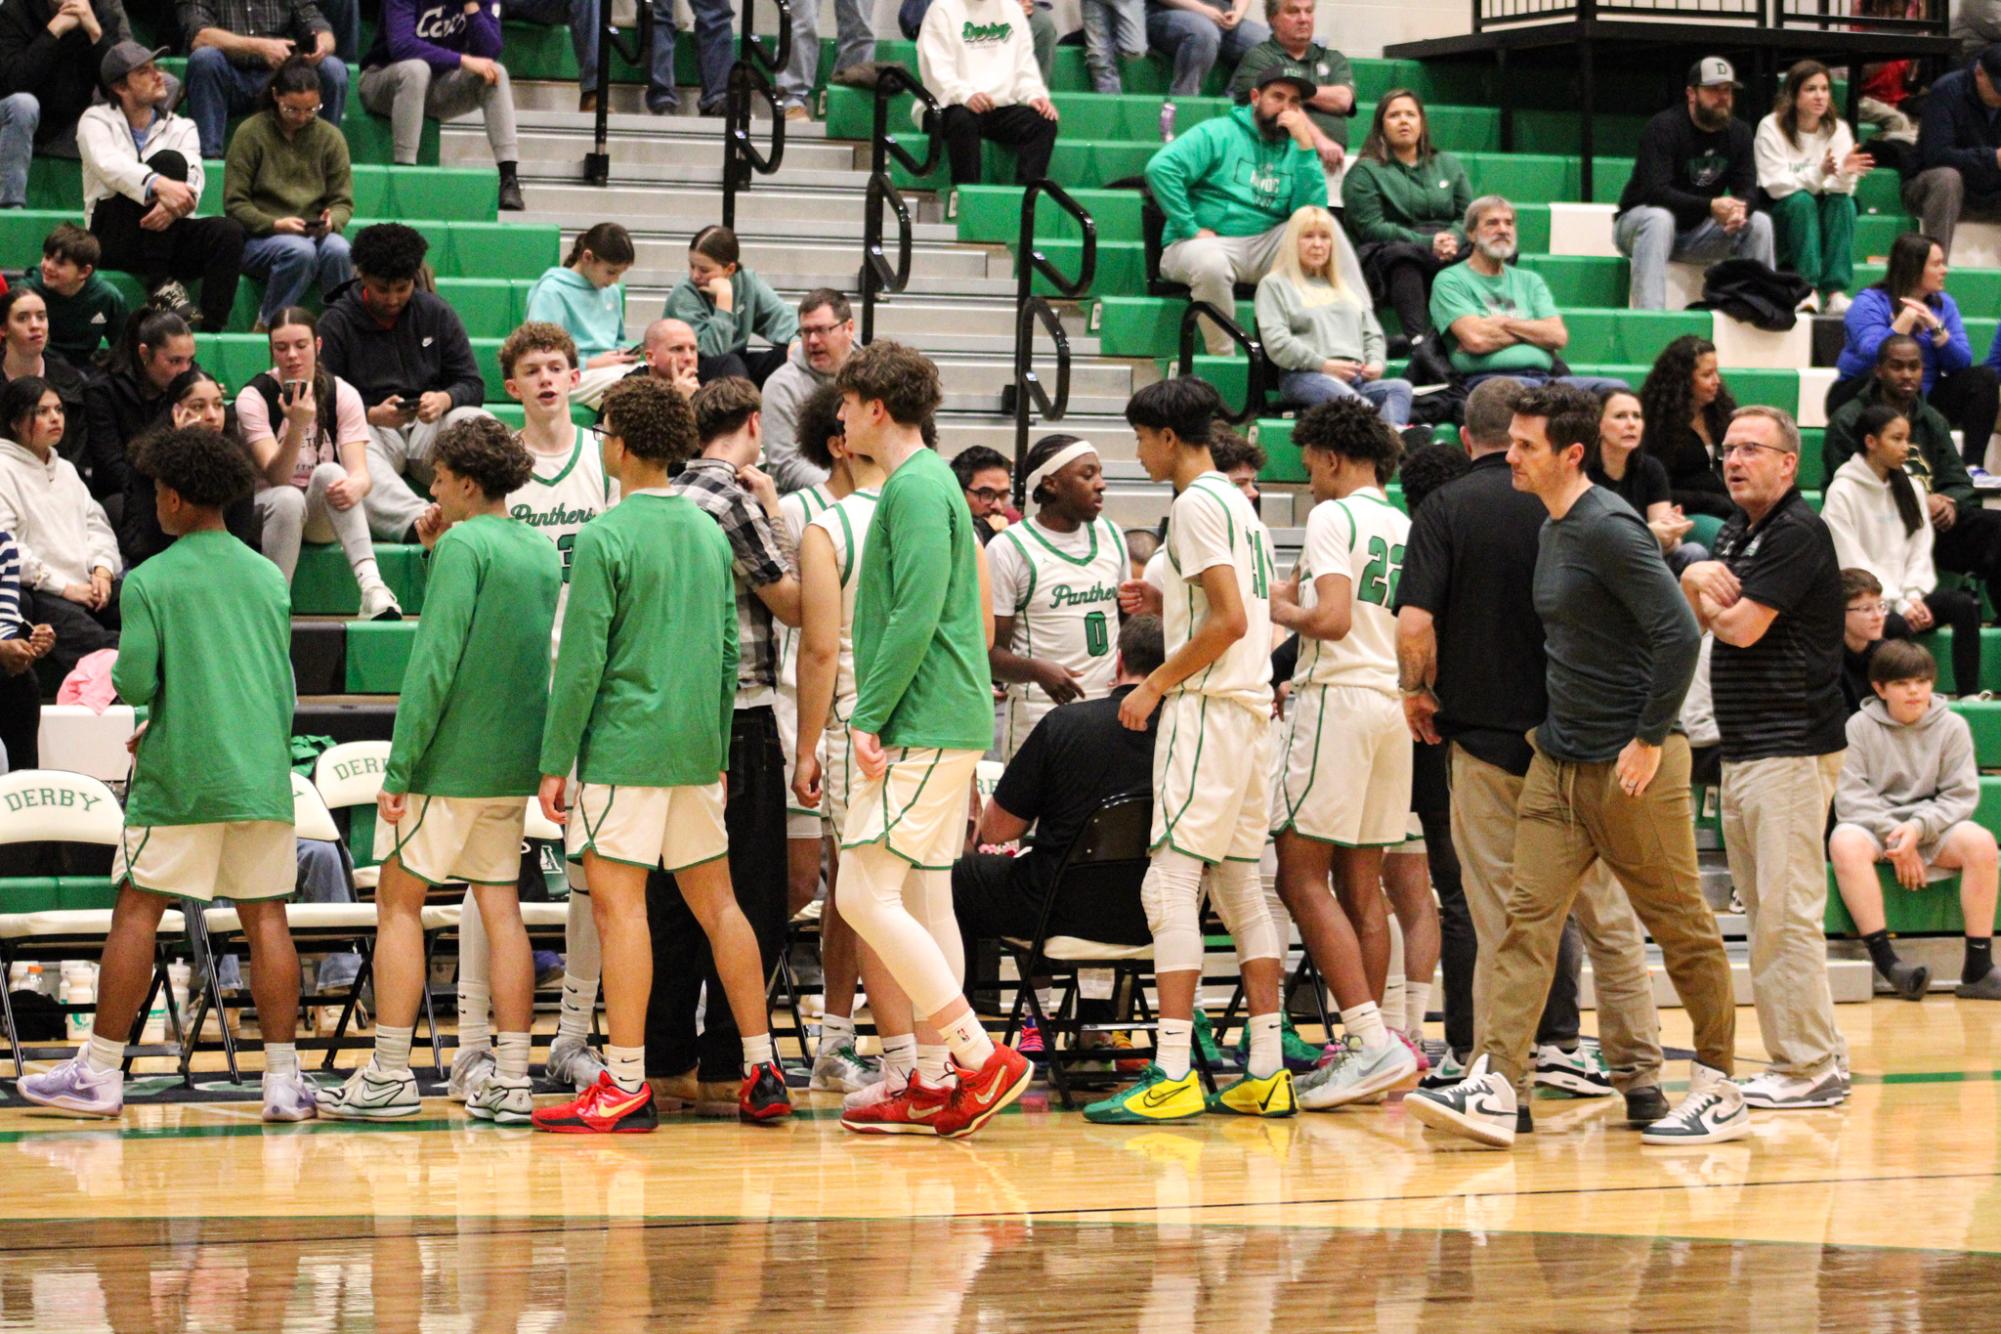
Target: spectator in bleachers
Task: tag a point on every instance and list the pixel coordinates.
(1193, 36)
(236, 46)
(1321, 334)
(1911, 299)
(1886, 86)
(826, 341)
(978, 59)
(24, 326)
(50, 55)
(1809, 166)
(308, 435)
(442, 59)
(1638, 477)
(1692, 194)
(22, 645)
(192, 398)
(984, 476)
(854, 51)
(1864, 618)
(1976, 24)
(1406, 205)
(1907, 795)
(69, 555)
(152, 349)
(1141, 543)
(1239, 459)
(672, 356)
(1959, 150)
(1292, 48)
(1880, 517)
(142, 181)
(1114, 30)
(585, 297)
(581, 18)
(1687, 411)
(407, 354)
(85, 310)
(1229, 186)
(288, 180)
(725, 303)
(1497, 318)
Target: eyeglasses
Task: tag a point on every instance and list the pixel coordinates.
(1870, 609)
(986, 495)
(1728, 450)
(290, 112)
(819, 330)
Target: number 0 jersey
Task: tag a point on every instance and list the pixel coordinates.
(1211, 524)
(566, 492)
(1062, 591)
(1360, 539)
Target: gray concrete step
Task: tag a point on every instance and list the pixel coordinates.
(665, 210)
(639, 156)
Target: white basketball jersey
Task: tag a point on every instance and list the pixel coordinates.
(566, 492)
(847, 525)
(1211, 524)
(1360, 539)
(1062, 590)
(796, 509)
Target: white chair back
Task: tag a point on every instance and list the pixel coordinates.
(350, 774)
(986, 778)
(57, 806)
(310, 817)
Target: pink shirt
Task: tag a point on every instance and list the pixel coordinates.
(253, 418)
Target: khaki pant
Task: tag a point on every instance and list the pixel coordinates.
(1484, 800)
(1774, 826)
(1570, 815)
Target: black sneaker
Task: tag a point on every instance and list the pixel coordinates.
(1524, 1123)
(1909, 979)
(764, 1097)
(510, 195)
(1987, 988)
(1644, 1106)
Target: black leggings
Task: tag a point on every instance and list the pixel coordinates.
(1959, 609)
(209, 249)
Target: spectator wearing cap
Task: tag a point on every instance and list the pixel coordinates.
(1692, 189)
(142, 180)
(50, 53)
(1291, 47)
(978, 60)
(233, 47)
(1229, 186)
(1959, 150)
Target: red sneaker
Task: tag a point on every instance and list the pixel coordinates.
(916, 1109)
(764, 1096)
(983, 1092)
(602, 1109)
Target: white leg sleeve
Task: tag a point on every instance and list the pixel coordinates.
(583, 956)
(1172, 896)
(1240, 899)
(872, 900)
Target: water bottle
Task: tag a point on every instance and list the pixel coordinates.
(79, 988)
(1167, 122)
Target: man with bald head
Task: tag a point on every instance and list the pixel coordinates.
(670, 355)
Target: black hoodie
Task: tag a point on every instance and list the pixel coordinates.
(61, 72)
(425, 350)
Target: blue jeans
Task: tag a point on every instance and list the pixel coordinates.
(1305, 389)
(1112, 29)
(290, 264)
(854, 45)
(218, 90)
(1590, 384)
(20, 117)
(1649, 238)
(1193, 44)
(582, 16)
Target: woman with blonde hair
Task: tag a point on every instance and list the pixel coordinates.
(1321, 332)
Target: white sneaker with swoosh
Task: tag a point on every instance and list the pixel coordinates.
(1713, 1111)
(1480, 1107)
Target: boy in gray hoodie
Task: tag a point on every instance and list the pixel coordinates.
(1906, 796)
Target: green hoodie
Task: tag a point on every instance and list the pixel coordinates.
(1225, 176)
(593, 315)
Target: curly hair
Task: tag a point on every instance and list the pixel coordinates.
(723, 406)
(651, 420)
(902, 379)
(484, 450)
(1428, 468)
(1350, 428)
(389, 251)
(1668, 397)
(819, 422)
(536, 336)
(204, 467)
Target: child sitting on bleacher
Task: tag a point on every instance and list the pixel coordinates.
(585, 297)
(725, 303)
(85, 310)
(1864, 614)
(1907, 796)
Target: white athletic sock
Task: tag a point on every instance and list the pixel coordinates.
(366, 573)
(756, 1052)
(627, 1066)
(899, 1055)
(475, 989)
(1416, 1001)
(510, 1055)
(1392, 1005)
(392, 1048)
(836, 1031)
(102, 1054)
(931, 1063)
(583, 964)
(970, 1045)
(1267, 1055)
(475, 1020)
(281, 1058)
(580, 997)
(1365, 1021)
(1172, 1041)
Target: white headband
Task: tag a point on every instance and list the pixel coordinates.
(1056, 462)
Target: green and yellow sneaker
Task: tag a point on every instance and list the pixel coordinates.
(1249, 1096)
(1152, 1098)
(1213, 1054)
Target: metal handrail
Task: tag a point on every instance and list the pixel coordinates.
(752, 76)
(1254, 387)
(1031, 309)
(878, 275)
(597, 162)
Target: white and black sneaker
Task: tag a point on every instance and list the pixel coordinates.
(1481, 1107)
(1711, 1112)
(1778, 1092)
(371, 1095)
(1578, 1072)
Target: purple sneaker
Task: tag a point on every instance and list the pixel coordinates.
(289, 1098)
(74, 1087)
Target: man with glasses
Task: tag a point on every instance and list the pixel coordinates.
(984, 476)
(826, 341)
(233, 45)
(1773, 600)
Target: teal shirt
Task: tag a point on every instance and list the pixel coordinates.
(1515, 292)
(920, 631)
(1226, 176)
(593, 315)
(756, 309)
(469, 722)
(207, 648)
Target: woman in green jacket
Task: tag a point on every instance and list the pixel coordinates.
(725, 303)
(1405, 202)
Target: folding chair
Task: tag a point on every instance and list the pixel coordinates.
(58, 917)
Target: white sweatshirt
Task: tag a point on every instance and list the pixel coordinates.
(113, 163)
(62, 532)
(978, 46)
(1784, 169)
(1869, 533)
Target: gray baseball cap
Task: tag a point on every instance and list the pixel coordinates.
(125, 57)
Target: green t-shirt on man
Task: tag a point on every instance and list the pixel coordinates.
(1320, 66)
(1458, 291)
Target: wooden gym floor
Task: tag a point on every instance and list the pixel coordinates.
(1884, 1215)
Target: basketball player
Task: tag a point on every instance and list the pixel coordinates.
(1344, 790)
(462, 766)
(1211, 767)
(921, 720)
(642, 705)
(1056, 588)
(805, 830)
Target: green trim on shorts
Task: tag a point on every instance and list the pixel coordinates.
(127, 879)
(398, 843)
(890, 848)
(1312, 771)
(700, 861)
(396, 856)
(653, 865)
(889, 825)
(1194, 768)
(1167, 841)
(1334, 842)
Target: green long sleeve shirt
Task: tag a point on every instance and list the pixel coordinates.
(267, 176)
(469, 722)
(1388, 201)
(207, 648)
(756, 309)
(920, 632)
(1226, 176)
(645, 688)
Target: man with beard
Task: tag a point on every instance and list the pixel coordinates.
(1692, 189)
